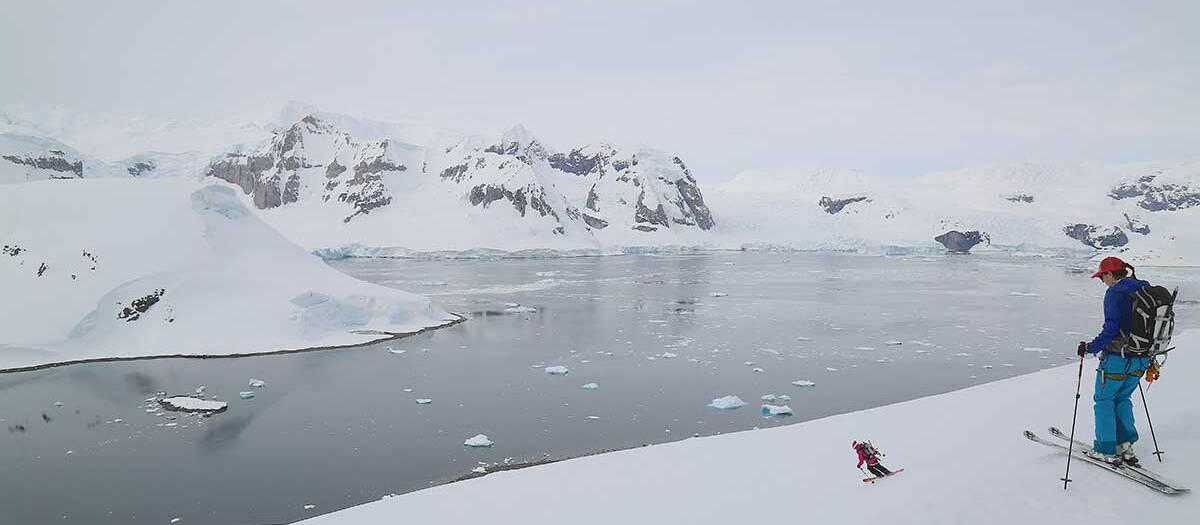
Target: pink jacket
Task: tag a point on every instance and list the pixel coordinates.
(863, 456)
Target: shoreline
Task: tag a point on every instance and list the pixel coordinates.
(389, 336)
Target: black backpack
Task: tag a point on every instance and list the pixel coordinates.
(1153, 321)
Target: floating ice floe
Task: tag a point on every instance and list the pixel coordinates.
(803, 383)
(802, 338)
(58, 404)
(727, 403)
(310, 507)
(556, 370)
(769, 398)
(864, 348)
(757, 370)
(590, 386)
(191, 404)
(394, 351)
(719, 294)
(831, 369)
(200, 389)
(894, 343)
(776, 410)
(478, 441)
(1024, 294)
(246, 395)
(479, 470)
(593, 417)
(1036, 349)
(749, 363)
(668, 355)
(514, 308)
(257, 383)
(424, 401)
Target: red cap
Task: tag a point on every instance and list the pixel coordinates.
(1109, 264)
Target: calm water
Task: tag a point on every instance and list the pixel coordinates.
(338, 428)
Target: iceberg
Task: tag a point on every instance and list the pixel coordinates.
(478, 441)
(727, 403)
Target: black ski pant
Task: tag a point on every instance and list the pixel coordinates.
(878, 470)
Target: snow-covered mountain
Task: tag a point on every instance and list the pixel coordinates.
(324, 186)
(118, 267)
(1149, 210)
(346, 185)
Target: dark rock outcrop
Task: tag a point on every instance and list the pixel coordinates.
(1097, 236)
(833, 206)
(1157, 197)
(140, 168)
(1019, 197)
(55, 160)
(140, 305)
(577, 162)
(962, 242)
(1136, 225)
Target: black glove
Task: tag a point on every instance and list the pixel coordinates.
(1082, 348)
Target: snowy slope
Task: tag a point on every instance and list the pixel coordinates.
(965, 461)
(82, 258)
(1150, 209)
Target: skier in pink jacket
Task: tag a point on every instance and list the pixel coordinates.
(867, 454)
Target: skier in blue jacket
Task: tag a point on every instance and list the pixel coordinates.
(1118, 374)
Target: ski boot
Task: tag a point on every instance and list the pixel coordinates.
(1125, 451)
(1111, 459)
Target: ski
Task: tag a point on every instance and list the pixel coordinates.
(1140, 470)
(873, 479)
(1149, 482)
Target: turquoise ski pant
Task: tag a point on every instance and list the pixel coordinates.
(1114, 408)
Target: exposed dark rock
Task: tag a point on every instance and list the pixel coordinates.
(1136, 225)
(41, 269)
(1020, 197)
(644, 228)
(139, 306)
(833, 206)
(485, 194)
(138, 168)
(595, 222)
(291, 190)
(334, 169)
(56, 161)
(576, 163)
(962, 242)
(645, 215)
(247, 172)
(1096, 236)
(1160, 197)
(11, 250)
(693, 200)
(527, 153)
(592, 198)
(455, 173)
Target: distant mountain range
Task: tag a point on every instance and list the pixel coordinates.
(347, 185)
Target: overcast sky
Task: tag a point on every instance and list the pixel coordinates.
(887, 86)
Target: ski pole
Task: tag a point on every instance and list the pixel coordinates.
(1071, 444)
(1157, 453)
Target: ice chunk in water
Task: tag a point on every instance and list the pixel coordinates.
(757, 370)
(727, 403)
(514, 308)
(776, 410)
(424, 401)
(257, 383)
(894, 343)
(191, 404)
(668, 355)
(557, 370)
(784, 398)
(803, 382)
(590, 386)
(310, 507)
(719, 294)
(478, 441)
(245, 395)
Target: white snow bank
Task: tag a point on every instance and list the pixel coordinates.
(127, 268)
(964, 456)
